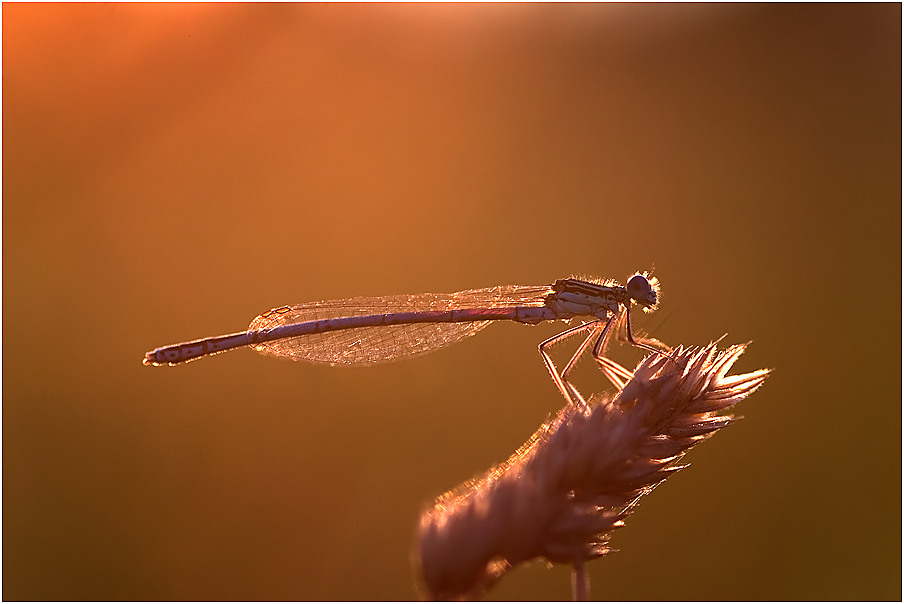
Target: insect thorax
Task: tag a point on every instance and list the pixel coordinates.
(574, 298)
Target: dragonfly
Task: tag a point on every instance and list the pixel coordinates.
(372, 330)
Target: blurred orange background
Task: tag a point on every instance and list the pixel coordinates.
(172, 170)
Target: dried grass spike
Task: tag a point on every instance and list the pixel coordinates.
(581, 474)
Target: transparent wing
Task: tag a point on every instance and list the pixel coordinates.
(372, 345)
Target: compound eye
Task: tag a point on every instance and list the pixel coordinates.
(640, 289)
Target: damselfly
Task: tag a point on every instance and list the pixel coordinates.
(367, 331)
